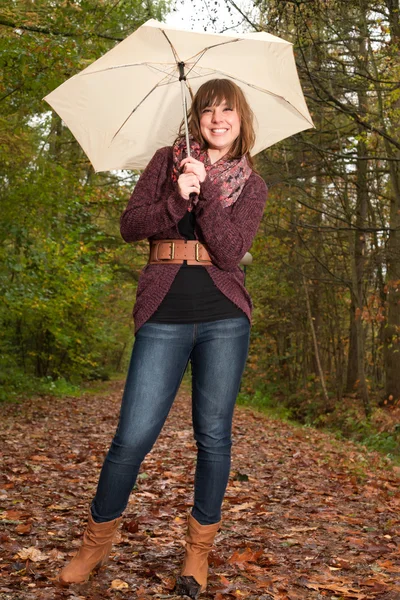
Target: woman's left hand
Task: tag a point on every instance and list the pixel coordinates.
(191, 165)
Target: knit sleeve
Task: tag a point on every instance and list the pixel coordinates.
(149, 211)
(227, 234)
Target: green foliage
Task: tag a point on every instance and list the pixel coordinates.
(67, 280)
(365, 432)
(15, 386)
(344, 420)
(53, 301)
(330, 229)
(266, 401)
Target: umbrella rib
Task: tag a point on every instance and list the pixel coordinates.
(170, 82)
(204, 50)
(200, 56)
(136, 107)
(174, 52)
(255, 87)
(151, 66)
(143, 64)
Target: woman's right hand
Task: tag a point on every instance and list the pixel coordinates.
(188, 183)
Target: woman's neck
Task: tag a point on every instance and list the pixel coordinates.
(214, 154)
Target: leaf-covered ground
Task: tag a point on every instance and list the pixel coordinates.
(305, 517)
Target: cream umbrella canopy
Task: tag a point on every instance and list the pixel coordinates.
(131, 101)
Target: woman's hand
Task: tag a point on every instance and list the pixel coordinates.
(191, 165)
(188, 183)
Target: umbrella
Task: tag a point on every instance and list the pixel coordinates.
(128, 103)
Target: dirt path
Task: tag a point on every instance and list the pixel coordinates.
(305, 517)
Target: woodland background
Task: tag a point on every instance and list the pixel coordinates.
(326, 275)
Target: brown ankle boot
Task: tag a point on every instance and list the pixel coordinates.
(93, 553)
(199, 541)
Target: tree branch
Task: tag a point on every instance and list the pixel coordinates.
(44, 31)
(245, 17)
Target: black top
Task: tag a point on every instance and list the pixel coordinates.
(193, 296)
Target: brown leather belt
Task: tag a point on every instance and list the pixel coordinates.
(174, 252)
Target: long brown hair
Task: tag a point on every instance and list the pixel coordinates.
(213, 93)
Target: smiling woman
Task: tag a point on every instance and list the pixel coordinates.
(220, 126)
(222, 120)
(200, 214)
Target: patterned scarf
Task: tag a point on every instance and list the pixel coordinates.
(230, 174)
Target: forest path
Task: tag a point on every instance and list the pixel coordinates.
(305, 516)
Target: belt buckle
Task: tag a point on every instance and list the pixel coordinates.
(197, 254)
(171, 251)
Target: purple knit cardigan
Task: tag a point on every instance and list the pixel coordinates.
(154, 211)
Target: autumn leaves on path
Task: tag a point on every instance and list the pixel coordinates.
(304, 517)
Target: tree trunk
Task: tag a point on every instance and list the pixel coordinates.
(315, 343)
(352, 363)
(361, 217)
(392, 329)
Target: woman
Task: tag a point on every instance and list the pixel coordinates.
(200, 214)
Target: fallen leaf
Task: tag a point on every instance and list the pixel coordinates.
(15, 515)
(240, 507)
(246, 556)
(23, 528)
(118, 584)
(131, 526)
(55, 554)
(319, 521)
(168, 582)
(39, 458)
(32, 553)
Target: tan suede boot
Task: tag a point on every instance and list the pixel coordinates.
(199, 541)
(93, 553)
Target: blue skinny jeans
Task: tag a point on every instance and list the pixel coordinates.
(218, 352)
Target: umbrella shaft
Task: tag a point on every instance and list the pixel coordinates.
(184, 106)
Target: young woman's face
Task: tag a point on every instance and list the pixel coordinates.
(220, 126)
